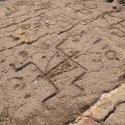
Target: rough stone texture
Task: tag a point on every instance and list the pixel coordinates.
(62, 62)
(87, 121)
(3, 108)
(118, 112)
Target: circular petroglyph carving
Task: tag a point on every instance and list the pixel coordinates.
(110, 54)
(37, 24)
(23, 53)
(44, 46)
(25, 26)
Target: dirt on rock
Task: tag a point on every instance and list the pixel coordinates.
(62, 62)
